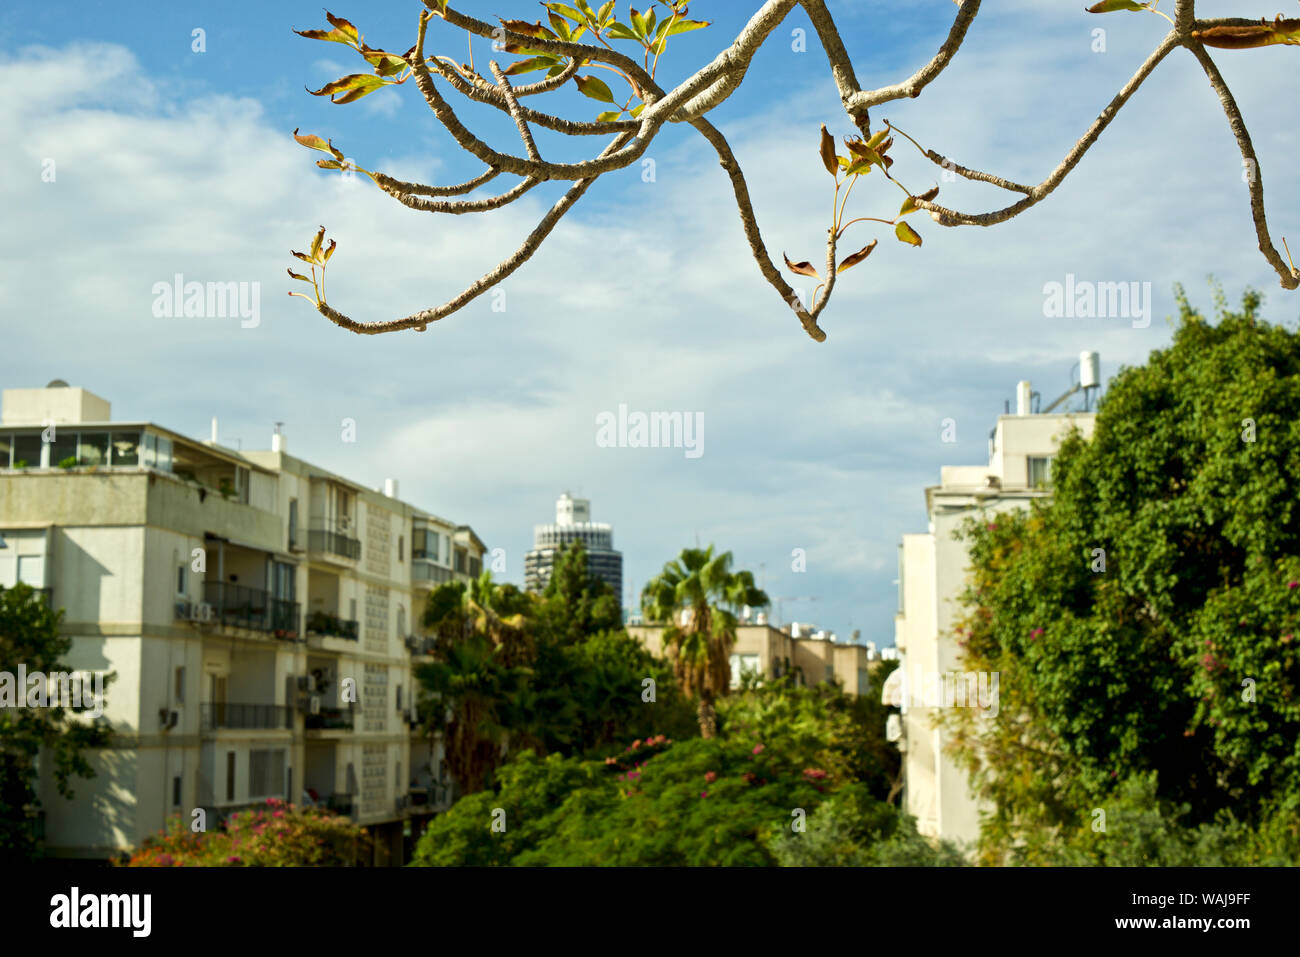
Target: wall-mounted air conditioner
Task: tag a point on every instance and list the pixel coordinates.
(313, 704)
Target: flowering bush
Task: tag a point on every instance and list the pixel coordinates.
(273, 835)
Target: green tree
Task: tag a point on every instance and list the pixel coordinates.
(29, 636)
(1144, 619)
(477, 682)
(696, 598)
(576, 604)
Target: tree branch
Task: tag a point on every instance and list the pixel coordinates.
(913, 85)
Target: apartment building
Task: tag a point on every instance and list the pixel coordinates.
(765, 651)
(261, 614)
(933, 570)
(572, 525)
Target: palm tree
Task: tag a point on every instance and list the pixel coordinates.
(478, 679)
(696, 598)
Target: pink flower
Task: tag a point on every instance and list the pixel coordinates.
(814, 774)
(704, 794)
(1293, 584)
(1036, 634)
(711, 777)
(636, 744)
(233, 860)
(278, 814)
(758, 749)
(611, 759)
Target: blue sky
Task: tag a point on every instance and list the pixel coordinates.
(170, 161)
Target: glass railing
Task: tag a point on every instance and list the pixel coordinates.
(252, 608)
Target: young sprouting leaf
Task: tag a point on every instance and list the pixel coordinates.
(352, 87)
(857, 167)
(559, 25)
(595, 88)
(879, 137)
(294, 275)
(621, 31)
(329, 251)
(907, 234)
(606, 13)
(1110, 6)
(329, 164)
(909, 204)
(1244, 38)
(851, 261)
(638, 24)
(586, 9)
(565, 10)
(347, 29)
(385, 64)
(651, 18)
(802, 268)
(535, 30)
(314, 142)
(685, 26)
(315, 243)
(636, 110)
(609, 116)
(544, 62)
(829, 160)
(556, 70)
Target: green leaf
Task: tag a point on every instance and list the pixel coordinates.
(636, 110)
(650, 20)
(621, 31)
(595, 88)
(329, 164)
(565, 10)
(341, 25)
(638, 24)
(686, 26)
(907, 234)
(609, 116)
(605, 14)
(1110, 6)
(859, 167)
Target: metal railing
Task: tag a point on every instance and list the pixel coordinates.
(252, 608)
(321, 538)
(331, 719)
(249, 717)
(321, 623)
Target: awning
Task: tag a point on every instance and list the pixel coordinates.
(891, 694)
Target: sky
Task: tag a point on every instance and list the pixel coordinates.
(166, 160)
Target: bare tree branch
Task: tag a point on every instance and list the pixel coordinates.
(1255, 178)
(913, 85)
(524, 133)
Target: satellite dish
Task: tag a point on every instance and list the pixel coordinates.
(57, 384)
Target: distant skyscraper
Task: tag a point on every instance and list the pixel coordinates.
(573, 524)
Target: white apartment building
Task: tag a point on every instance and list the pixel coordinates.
(262, 616)
(933, 570)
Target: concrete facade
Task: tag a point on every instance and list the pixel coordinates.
(933, 571)
(261, 614)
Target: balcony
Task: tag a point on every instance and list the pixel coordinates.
(329, 626)
(331, 539)
(424, 570)
(240, 607)
(418, 645)
(331, 719)
(435, 797)
(218, 715)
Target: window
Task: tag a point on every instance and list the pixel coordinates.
(31, 569)
(217, 688)
(125, 448)
(282, 580)
(92, 449)
(230, 775)
(63, 448)
(293, 522)
(1040, 471)
(180, 684)
(182, 571)
(830, 672)
(27, 451)
(399, 698)
(265, 773)
(401, 548)
(176, 791)
(6, 444)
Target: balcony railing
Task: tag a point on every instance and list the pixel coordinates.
(435, 796)
(320, 623)
(244, 717)
(425, 571)
(334, 541)
(331, 719)
(418, 645)
(345, 804)
(251, 608)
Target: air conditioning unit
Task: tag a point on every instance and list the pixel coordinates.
(204, 612)
(313, 704)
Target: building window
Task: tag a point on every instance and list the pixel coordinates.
(399, 697)
(125, 448)
(181, 580)
(230, 775)
(180, 684)
(401, 548)
(830, 672)
(176, 791)
(265, 773)
(1040, 471)
(27, 451)
(293, 523)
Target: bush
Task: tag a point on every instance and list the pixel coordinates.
(276, 835)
